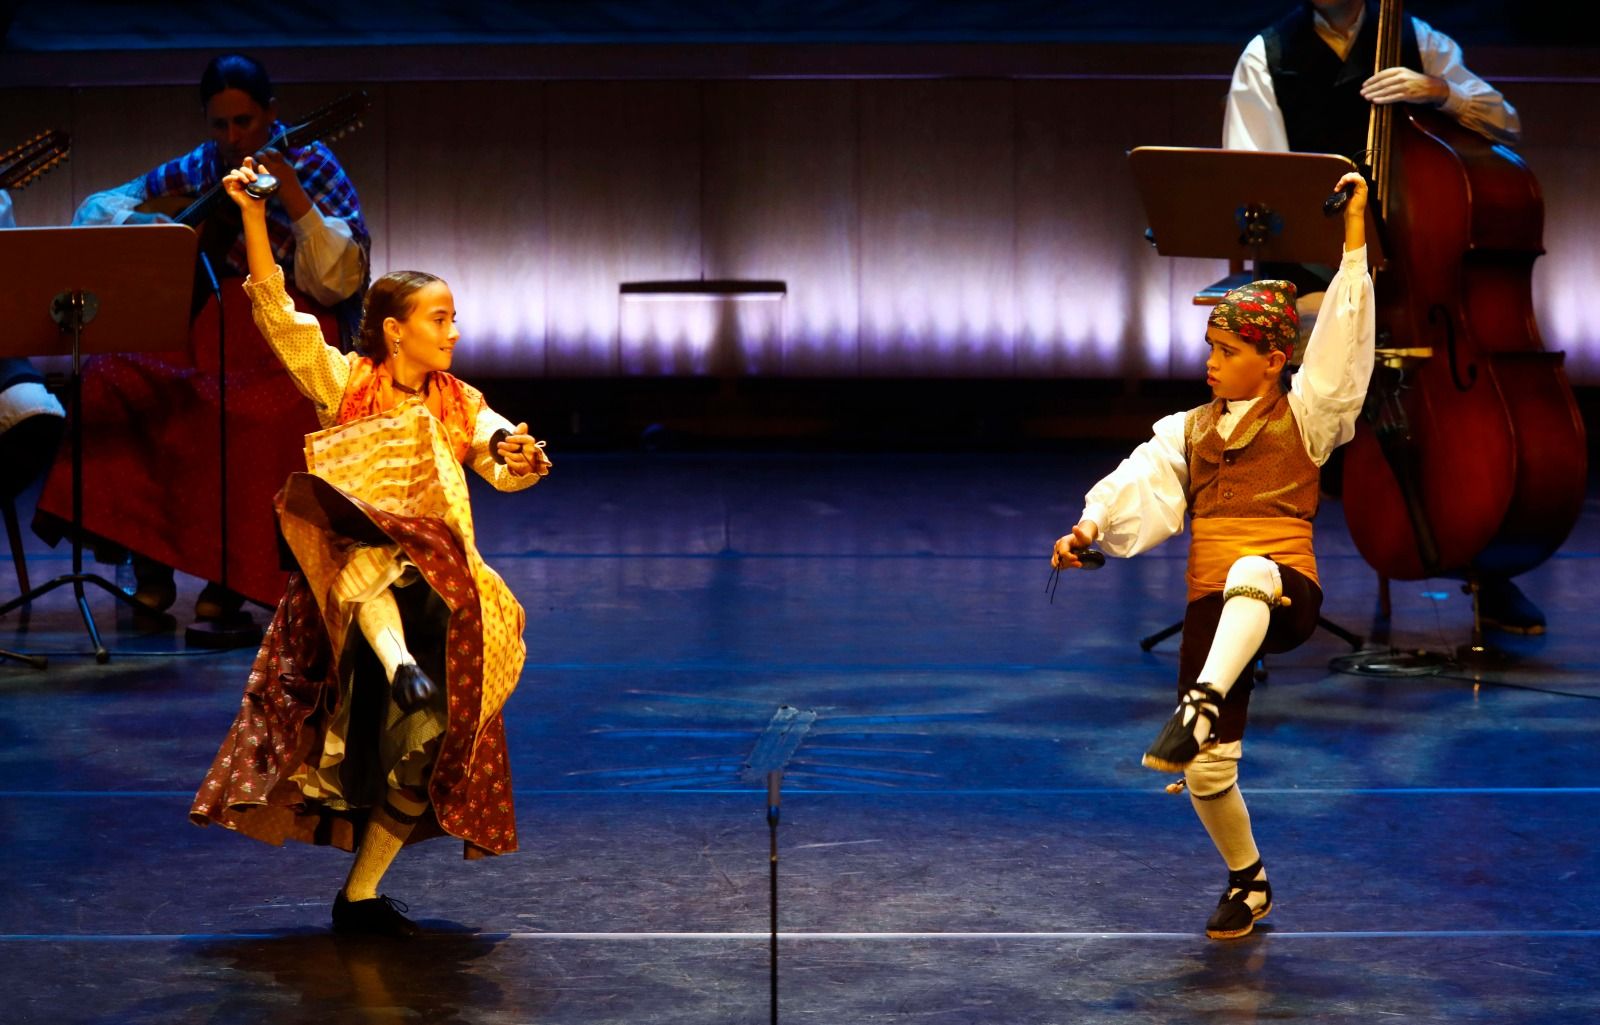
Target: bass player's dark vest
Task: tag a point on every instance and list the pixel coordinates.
(1319, 94)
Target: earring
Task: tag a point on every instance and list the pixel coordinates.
(397, 346)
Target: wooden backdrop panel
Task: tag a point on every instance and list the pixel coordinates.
(623, 185)
(1561, 128)
(925, 227)
(468, 204)
(938, 228)
(781, 203)
(1092, 294)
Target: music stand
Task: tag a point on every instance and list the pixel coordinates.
(89, 290)
(1230, 204)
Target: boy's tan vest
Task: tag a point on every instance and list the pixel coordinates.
(1253, 493)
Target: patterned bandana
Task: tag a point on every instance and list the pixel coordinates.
(1262, 311)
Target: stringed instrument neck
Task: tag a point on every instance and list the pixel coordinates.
(22, 164)
(329, 122)
(218, 223)
(1380, 127)
(194, 212)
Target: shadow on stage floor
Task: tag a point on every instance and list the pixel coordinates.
(967, 835)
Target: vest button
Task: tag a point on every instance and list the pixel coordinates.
(1228, 493)
(1227, 457)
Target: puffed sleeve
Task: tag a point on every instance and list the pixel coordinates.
(482, 459)
(1329, 389)
(319, 370)
(1141, 503)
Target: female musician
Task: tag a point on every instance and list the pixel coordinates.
(149, 475)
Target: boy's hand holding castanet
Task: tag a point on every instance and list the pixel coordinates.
(1070, 547)
(1355, 210)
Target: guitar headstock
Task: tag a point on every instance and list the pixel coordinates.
(20, 165)
(336, 119)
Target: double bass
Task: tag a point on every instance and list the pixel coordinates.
(1470, 457)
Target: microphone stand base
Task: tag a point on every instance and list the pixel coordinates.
(1382, 661)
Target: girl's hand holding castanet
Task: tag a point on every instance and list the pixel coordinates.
(234, 185)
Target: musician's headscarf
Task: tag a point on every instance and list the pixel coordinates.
(1263, 314)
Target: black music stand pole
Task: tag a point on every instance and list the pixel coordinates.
(133, 284)
(774, 797)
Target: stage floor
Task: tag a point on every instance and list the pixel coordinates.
(967, 835)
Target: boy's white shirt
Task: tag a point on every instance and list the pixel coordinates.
(1142, 502)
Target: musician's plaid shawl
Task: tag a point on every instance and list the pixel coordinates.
(320, 175)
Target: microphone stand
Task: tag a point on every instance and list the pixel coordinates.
(238, 630)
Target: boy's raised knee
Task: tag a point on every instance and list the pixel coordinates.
(1254, 576)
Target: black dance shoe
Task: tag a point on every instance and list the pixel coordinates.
(217, 604)
(1502, 606)
(1234, 916)
(379, 916)
(156, 588)
(411, 687)
(1176, 747)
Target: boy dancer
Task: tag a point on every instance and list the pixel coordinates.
(1246, 467)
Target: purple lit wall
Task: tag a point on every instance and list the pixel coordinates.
(959, 227)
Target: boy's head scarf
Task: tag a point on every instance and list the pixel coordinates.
(1261, 312)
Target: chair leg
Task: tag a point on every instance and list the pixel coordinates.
(14, 535)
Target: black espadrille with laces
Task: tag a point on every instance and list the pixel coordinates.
(1176, 747)
(1234, 916)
